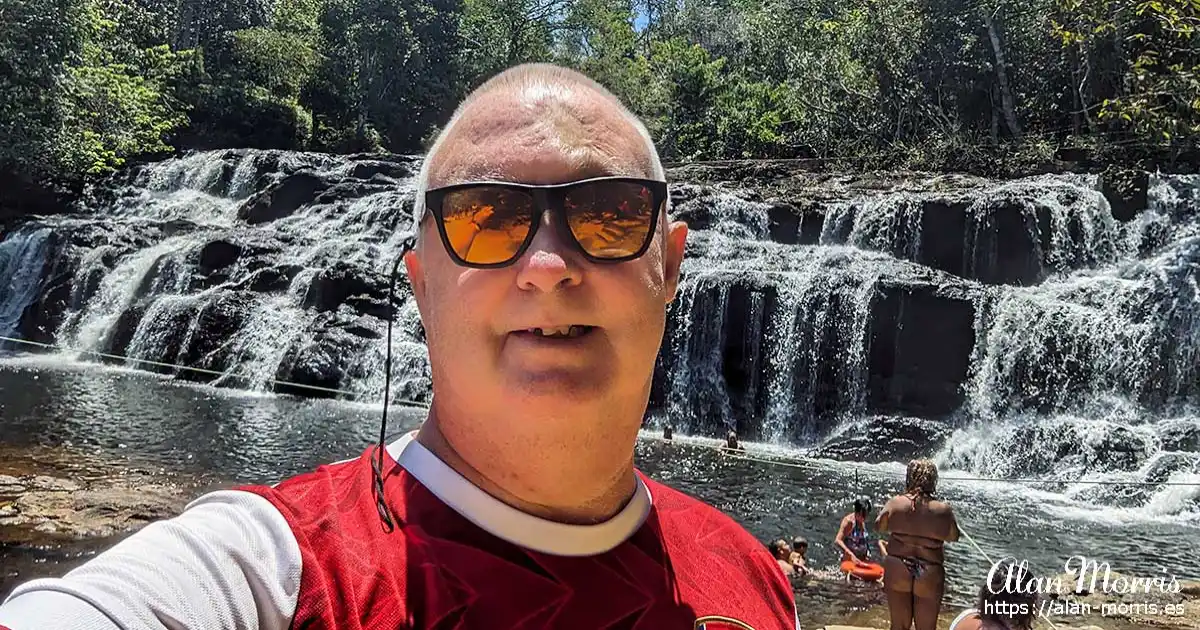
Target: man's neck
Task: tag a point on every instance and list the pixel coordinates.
(579, 492)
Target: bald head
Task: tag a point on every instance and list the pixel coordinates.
(552, 417)
(538, 124)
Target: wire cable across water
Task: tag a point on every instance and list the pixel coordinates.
(789, 463)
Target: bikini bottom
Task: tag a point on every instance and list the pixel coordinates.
(916, 566)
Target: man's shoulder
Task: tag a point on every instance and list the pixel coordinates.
(336, 491)
(681, 515)
(719, 556)
(315, 482)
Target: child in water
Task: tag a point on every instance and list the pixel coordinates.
(799, 559)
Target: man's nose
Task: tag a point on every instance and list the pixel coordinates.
(550, 263)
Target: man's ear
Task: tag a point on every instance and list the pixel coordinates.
(674, 244)
(416, 276)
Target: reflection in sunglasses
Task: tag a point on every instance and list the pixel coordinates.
(479, 233)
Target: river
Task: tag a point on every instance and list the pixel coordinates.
(219, 437)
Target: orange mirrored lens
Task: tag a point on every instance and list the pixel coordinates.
(610, 219)
(486, 225)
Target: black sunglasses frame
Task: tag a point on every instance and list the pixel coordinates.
(547, 197)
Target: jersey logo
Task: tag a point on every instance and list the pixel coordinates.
(717, 622)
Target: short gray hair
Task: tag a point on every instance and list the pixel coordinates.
(522, 77)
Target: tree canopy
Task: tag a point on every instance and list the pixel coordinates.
(86, 85)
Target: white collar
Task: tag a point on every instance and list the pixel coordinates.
(511, 524)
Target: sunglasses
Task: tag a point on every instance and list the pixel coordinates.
(491, 224)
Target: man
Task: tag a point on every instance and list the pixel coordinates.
(920, 526)
(542, 281)
(783, 557)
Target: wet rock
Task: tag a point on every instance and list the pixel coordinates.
(46, 483)
(163, 274)
(1014, 233)
(21, 198)
(67, 246)
(218, 255)
(216, 323)
(878, 439)
(11, 487)
(221, 260)
(347, 190)
(1168, 464)
(815, 338)
(317, 363)
(735, 213)
(169, 327)
(274, 279)
(796, 224)
(1126, 191)
(367, 169)
(921, 338)
(283, 198)
(76, 495)
(91, 512)
(1183, 435)
(343, 283)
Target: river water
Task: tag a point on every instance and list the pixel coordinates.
(221, 437)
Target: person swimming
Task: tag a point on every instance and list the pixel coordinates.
(919, 527)
(783, 557)
(1008, 601)
(852, 536)
(731, 442)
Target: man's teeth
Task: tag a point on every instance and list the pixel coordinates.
(568, 332)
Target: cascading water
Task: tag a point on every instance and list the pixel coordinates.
(232, 269)
(1010, 328)
(1016, 232)
(772, 339)
(22, 256)
(1094, 374)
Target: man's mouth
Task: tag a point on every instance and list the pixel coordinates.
(558, 332)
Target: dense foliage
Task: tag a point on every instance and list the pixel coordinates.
(87, 84)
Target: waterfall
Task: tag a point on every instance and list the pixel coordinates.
(222, 261)
(1004, 327)
(22, 258)
(1130, 328)
(1093, 374)
(775, 341)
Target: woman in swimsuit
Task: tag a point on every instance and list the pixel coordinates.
(919, 525)
(852, 533)
(1011, 592)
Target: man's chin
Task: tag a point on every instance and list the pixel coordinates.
(554, 386)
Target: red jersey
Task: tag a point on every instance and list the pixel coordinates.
(682, 565)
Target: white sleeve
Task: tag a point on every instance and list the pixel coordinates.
(228, 561)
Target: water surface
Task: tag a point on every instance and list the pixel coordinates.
(214, 437)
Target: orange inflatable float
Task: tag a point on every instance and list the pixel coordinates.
(864, 570)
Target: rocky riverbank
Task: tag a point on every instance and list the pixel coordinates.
(48, 496)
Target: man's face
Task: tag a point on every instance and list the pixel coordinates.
(484, 360)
